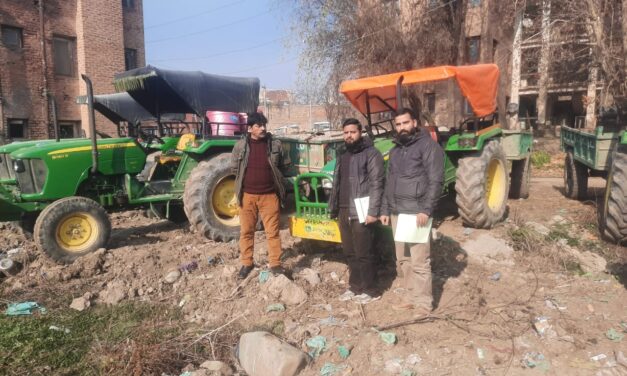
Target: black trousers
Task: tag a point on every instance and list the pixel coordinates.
(358, 243)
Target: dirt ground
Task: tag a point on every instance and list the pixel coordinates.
(522, 298)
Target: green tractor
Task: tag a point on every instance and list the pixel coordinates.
(485, 164)
(70, 186)
(600, 152)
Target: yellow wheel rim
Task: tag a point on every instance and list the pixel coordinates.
(224, 201)
(495, 185)
(77, 232)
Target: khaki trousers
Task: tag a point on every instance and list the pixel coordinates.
(413, 261)
(253, 205)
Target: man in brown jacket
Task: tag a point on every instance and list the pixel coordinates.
(257, 163)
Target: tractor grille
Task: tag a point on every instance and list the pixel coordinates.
(32, 179)
(5, 167)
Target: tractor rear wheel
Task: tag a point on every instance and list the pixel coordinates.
(520, 178)
(482, 186)
(72, 227)
(614, 215)
(575, 178)
(209, 199)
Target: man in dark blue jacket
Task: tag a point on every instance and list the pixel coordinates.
(413, 186)
(358, 174)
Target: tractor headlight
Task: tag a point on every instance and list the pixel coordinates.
(327, 184)
(18, 166)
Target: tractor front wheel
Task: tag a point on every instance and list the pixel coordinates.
(613, 224)
(209, 199)
(575, 178)
(482, 187)
(72, 227)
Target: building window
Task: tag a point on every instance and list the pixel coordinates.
(11, 36)
(475, 3)
(130, 58)
(17, 128)
(128, 4)
(430, 102)
(473, 50)
(64, 52)
(68, 129)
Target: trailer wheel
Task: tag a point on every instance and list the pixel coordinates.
(613, 224)
(72, 227)
(520, 178)
(575, 178)
(209, 199)
(482, 186)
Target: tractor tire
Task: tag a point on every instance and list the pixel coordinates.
(482, 187)
(209, 199)
(72, 227)
(520, 179)
(614, 215)
(575, 178)
(177, 212)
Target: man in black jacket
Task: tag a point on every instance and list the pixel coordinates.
(413, 186)
(359, 173)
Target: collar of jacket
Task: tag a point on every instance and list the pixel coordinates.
(415, 137)
(365, 143)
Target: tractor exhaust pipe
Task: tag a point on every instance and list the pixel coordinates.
(92, 123)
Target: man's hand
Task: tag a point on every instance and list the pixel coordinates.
(421, 219)
(370, 219)
(385, 220)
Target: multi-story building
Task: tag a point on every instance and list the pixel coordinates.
(45, 46)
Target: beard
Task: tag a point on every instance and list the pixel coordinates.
(353, 145)
(404, 136)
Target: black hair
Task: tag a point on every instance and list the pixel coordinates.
(351, 121)
(256, 118)
(404, 111)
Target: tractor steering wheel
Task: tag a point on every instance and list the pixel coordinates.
(149, 138)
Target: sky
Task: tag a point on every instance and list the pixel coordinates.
(245, 38)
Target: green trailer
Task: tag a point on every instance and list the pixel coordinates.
(485, 164)
(600, 152)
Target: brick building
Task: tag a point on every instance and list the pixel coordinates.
(45, 45)
(281, 109)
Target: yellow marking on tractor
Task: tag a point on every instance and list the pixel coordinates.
(88, 148)
(315, 229)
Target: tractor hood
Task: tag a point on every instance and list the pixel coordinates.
(119, 107)
(71, 146)
(478, 84)
(163, 91)
(9, 148)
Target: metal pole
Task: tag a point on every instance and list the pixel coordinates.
(92, 124)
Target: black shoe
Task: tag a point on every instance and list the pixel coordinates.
(278, 270)
(245, 271)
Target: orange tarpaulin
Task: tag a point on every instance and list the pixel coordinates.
(478, 84)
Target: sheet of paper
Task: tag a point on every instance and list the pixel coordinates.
(362, 204)
(408, 232)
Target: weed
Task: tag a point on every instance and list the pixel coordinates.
(540, 158)
(560, 231)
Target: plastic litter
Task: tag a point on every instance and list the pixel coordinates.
(613, 335)
(535, 360)
(186, 373)
(388, 337)
(467, 231)
(480, 353)
(552, 304)
(264, 275)
(276, 307)
(330, 369)
(317, 345)
(24, 308)
(496, 276)
(542, 325)
(59, 329)
(344, 351)
(188, 267)
(332, 321)
(598, 357)
(213, 260)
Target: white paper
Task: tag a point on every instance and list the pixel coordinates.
(362, 204)
(407, 231)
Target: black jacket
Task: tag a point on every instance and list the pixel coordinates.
(366, 176)
(415, 176)
(239, 162)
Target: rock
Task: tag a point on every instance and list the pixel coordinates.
(285, 290)
(557, 219)
(588, 261)
(172, 276)
(80, 304)
(200, 372)
(487, 248)
(310, 276)
(539, 228)
(262, 354)
(114, 293)
(217, 368)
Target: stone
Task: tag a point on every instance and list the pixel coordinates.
(485, 247)
(80, 304)
(172, 276)
(310, 275)
(286, 291)
(217, 367)
(262, 354)
(114, 293)
(588, 261)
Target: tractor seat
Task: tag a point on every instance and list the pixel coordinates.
(186, 140)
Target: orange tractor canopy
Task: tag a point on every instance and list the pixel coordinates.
(478, 84)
